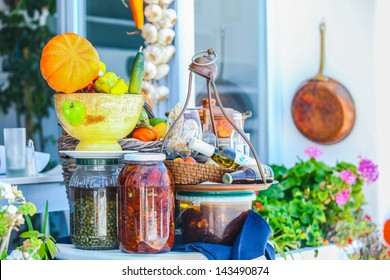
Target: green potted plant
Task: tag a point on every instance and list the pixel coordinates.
(14, 212)
(23, 34)
(316, 204)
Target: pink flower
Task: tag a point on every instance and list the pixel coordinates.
(348, 177)
(343, 196)
(368, 217)
(313, 152)
(368, 170)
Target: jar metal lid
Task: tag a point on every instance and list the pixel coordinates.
(97, 161)
(145, 157)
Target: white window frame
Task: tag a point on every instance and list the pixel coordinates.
(72, 18)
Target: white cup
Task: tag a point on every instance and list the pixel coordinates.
(15, 151)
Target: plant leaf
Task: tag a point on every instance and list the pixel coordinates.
(29, 234)
(29, 223)
(322, 195)
(320, 215)
(296, 192)
(45, 217)
(51, 246)
(42, 252)
(4, 255)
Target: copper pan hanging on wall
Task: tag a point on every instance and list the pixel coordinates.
(323, 109)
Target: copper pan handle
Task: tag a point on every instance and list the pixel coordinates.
(320, 75)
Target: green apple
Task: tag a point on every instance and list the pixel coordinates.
(74, 112)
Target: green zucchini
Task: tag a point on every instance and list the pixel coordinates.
(137, 73)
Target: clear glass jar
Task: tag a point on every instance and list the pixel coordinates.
(187, 127)
(146, 204)
(92, 203)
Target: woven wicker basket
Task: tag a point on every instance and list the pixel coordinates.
(69, 143)
(185, 173)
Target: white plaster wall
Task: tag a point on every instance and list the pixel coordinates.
(381, 70)
(294, 46)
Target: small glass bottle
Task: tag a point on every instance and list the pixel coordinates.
(225, 157)
(31, 169)
(237, 142)
(248, 175)
(146, 204)
(92, 203)
(208, 135)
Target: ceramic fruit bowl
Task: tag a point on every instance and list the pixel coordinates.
(98, 120)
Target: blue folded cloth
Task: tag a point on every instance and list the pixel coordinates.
(251, 243)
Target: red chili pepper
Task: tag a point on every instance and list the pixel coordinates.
(137, 8)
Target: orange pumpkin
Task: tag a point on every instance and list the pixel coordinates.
(69, 62)
(145, 134)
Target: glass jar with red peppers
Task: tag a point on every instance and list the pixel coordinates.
(145, 204)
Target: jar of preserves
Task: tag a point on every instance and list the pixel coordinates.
(212, 217)
(92, 203)
(145, 204)
(222, 125)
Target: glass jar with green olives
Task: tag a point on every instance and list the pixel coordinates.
(92, 204)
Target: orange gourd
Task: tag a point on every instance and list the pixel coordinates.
(145, 134)
(69, 62)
